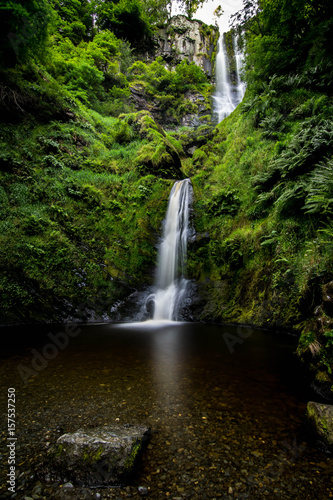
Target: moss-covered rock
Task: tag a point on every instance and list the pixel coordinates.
(101, 456)
(320, 420)
(159, 154)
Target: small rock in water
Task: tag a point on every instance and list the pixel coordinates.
(143, 490)
(68, 486)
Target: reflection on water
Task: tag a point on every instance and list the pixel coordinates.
(220, 406)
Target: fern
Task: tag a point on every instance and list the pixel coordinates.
(327, 233)
(313, 142)
(292, 198)
(272, 125)
(320, 189)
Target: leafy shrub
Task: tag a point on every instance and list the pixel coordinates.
(3, 198)
(291, 201)
(34, 224)
(19, 194)
(231, 252)
(224, 203)
(122, 132)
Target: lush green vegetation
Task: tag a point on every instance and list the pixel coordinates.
(264, 187)
(77, 214)
(85, 176)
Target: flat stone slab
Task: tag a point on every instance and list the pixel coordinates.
(102, 456)
(320, 419)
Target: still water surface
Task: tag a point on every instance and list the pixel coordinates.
(226, 406)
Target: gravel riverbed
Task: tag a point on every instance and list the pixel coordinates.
(224, 425)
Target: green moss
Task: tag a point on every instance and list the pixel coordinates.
(92, 456)
(132, 458)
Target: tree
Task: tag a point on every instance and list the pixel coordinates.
(74, 19)
(84, 69)
(24, 30)
(125, 18)
(281, 34)
(157, 11)
(189, 6)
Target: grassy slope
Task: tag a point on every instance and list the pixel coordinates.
(259, 257)
(79, 213)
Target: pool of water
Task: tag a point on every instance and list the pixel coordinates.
(226, 407)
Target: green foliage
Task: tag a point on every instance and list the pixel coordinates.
(86, 69)
(224, 203)
(73, 19)
(126, 19)
(157, 11)
(231, 252)
(285, 36)
(187, 76)
(24, 30)
(319, 189)
(168, 87)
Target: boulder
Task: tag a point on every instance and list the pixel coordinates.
(102, 456)
(320, 421)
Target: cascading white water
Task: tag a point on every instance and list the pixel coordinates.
(223, 99)
(227, 96)
(170, 281)
(239, 56)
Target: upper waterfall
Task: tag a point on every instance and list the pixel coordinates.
(227, 94)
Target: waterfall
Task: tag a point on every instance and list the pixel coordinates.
(170, 281)
(227, 95)
(239, 56)
(223, 99)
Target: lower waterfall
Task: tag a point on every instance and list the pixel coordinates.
(170, 280)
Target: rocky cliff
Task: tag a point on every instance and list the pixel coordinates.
(181, 39)
(193, 40)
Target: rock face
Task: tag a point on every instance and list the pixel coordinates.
(103, 456)
(320, 420)
(199, 115)
(181, 39)
(193, 40)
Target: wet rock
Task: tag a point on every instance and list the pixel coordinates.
(328, 298)
(107, 455)
(143, 490)
(320, 420)
(138, 306)
(68, 486)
